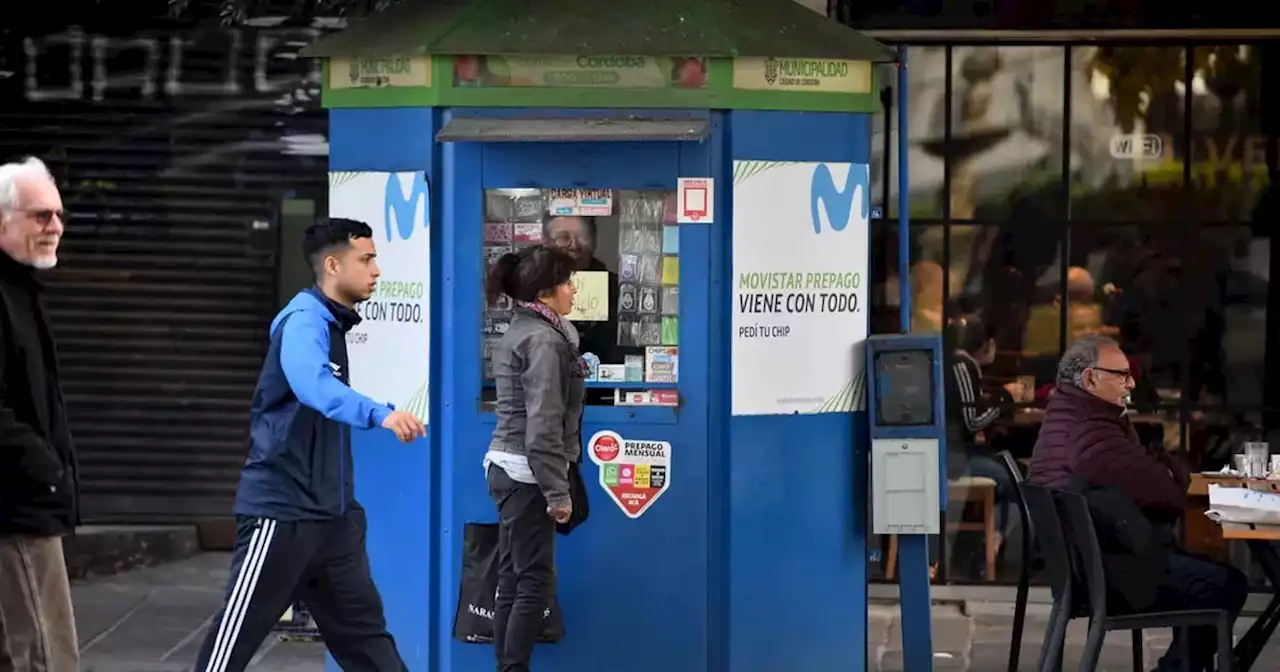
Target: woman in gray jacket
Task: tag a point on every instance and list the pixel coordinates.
(540, 378)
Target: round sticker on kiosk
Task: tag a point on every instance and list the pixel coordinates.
(605, 448)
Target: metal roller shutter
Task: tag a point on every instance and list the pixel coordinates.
(175, 149)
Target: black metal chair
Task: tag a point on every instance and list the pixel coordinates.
(1082, 539)
(1043, 510)
(1024, 563)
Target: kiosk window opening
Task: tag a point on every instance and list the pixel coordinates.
(626, 309)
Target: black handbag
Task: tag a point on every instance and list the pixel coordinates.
(578, 495)
(473, 621)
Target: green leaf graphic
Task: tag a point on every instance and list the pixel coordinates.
(418, 403)
(339, 178)
(851, 397)
(744, 170)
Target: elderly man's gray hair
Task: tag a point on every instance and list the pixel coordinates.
(1081, 355)
(10, 173)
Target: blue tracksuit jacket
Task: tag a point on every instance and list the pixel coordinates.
(299, 465)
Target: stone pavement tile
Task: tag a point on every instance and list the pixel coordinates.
(951, 635)
(154, 619)
(880, 618)
(892, 662)
(158, 623)
(989, 630)
(291, 657)
(995, 656)
(951, 630)
(991, 635)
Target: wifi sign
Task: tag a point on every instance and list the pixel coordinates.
(1136, 146)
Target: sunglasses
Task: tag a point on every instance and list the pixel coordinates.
(44, 216)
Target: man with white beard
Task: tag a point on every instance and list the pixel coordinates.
(38, 474)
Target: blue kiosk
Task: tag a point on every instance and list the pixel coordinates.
(708, 159)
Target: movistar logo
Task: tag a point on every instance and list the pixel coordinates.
(839, 203)
(406, 207)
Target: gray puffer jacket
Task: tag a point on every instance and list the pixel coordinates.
(539, 405)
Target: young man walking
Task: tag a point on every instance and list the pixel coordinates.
(300, 532)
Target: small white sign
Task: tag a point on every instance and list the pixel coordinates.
(1136, 146)
(695, 199)
(581, 203)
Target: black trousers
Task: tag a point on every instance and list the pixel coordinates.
(321, 563)
(526, 569)
(1196, 583)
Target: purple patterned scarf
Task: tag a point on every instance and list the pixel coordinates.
(581, 368)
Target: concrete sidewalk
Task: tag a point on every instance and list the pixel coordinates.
(976, 637)
(153, 620)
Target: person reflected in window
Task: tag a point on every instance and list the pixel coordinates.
(577, 236)
(970, 410)
(1084, 313)
(1084, 316)
(926, 298)
(539, 375)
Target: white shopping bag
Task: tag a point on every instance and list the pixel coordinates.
(1242, 505)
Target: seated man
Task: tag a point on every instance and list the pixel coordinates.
(1086, 439)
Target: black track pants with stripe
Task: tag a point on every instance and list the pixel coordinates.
(322, 563)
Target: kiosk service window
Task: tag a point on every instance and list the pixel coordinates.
(627, 306)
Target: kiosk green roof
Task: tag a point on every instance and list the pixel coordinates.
(716, 54)
(717, 28)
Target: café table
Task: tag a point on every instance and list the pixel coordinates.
(1261, 540)
(1031, 416)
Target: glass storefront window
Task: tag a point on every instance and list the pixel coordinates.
(1234, 331)
(925, 278)
(628, 245)
(1122, 188)
(1136, 270)
(1011, 276)
(1128, 147)
(1228, 147)
(926, 88)
(1005, 145)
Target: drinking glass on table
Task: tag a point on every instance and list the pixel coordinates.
(1257, 460)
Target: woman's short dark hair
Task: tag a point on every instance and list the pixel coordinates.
(530, 273)
(968, 333)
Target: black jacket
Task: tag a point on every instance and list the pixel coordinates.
(1135, 546)
(969, 410)
(38, 470)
